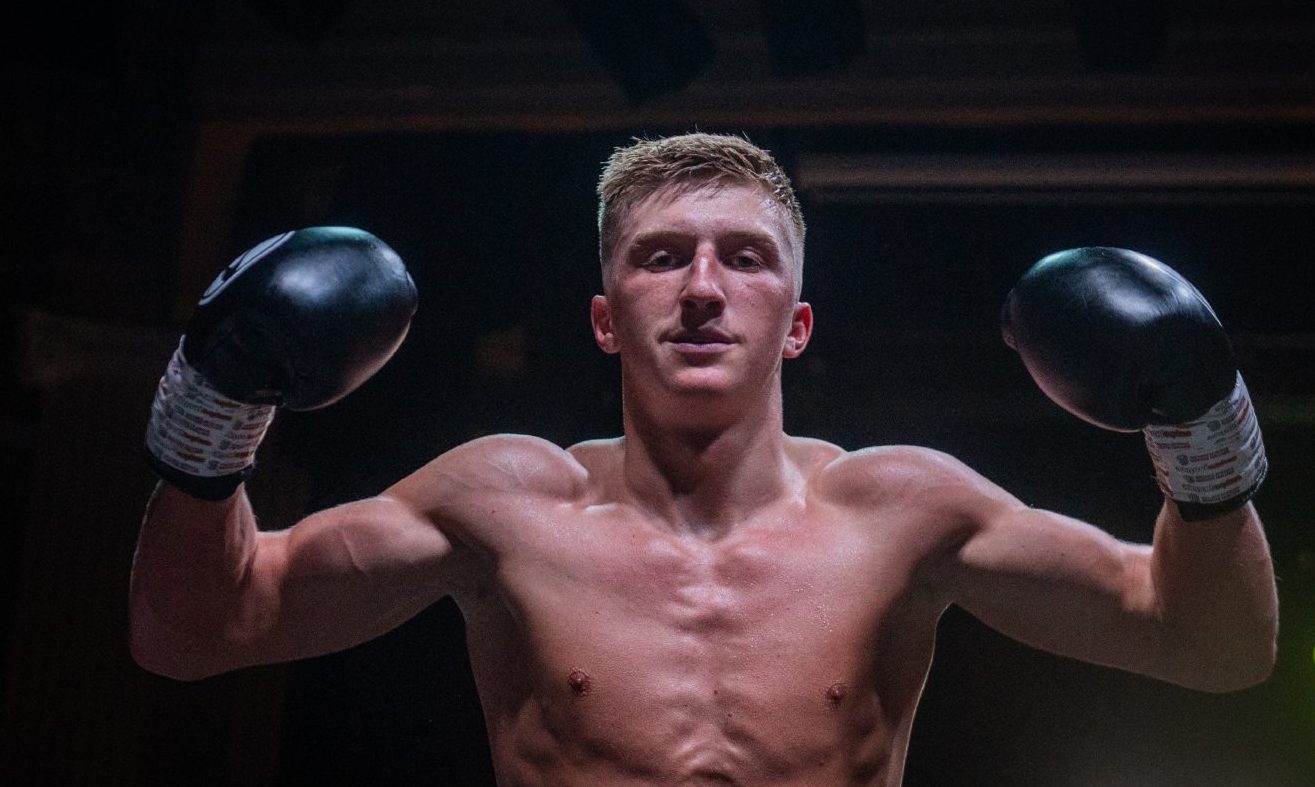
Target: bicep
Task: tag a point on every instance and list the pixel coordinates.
(1058, 584)
(350, 573)
(341, 576)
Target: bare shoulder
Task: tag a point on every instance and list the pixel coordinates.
(932, 480)
(598, 457)
(811, 454)
(496, 465)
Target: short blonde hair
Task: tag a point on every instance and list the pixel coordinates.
(635, 172)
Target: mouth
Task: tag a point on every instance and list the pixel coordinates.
(700, 341)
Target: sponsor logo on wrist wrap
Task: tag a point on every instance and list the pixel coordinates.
(199, 431)
(1214, 459)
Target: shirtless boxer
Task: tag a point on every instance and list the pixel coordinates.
(706, 599)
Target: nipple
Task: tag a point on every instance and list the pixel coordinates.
(578, 680)
(835, 694)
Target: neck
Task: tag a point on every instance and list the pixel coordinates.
(700, 473)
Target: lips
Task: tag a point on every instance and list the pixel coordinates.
(700, 342)
(702, 337)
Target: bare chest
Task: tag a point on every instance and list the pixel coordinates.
(763, 649)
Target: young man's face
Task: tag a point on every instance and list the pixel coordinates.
(702, 290)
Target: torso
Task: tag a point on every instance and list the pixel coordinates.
(609, 649)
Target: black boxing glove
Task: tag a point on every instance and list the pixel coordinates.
(1124, 342)
(298, 321)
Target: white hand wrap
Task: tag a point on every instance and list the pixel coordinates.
(197, 430)
(1215, 460)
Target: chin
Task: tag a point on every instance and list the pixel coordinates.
(702, 382)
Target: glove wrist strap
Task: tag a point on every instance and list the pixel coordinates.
(199, 439)
(1213, 464)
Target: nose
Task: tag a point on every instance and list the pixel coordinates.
(703, 287)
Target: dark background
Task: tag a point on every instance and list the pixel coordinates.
(939, 149)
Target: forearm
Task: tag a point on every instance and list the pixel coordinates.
(188, 576)
(1124, 342)
(1215, 592)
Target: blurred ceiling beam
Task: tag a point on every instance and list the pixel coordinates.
(949, 76)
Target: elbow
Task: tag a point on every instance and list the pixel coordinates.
(159, 663)
(1234, 680)
(166, 660)
(1237, 671)
(160, 651)
(1252, 660)
(1255, 670)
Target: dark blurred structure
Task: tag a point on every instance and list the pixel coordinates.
(650, 48)
(938, 153)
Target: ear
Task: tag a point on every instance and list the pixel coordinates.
(600, 314)
(801, 328)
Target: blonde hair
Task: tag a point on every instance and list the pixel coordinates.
(637, 171)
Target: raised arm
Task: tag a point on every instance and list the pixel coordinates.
(298, 321)
(210, 593)
(1125, 343)
(1197, 607)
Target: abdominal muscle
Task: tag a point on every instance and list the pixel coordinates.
(771, 657)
